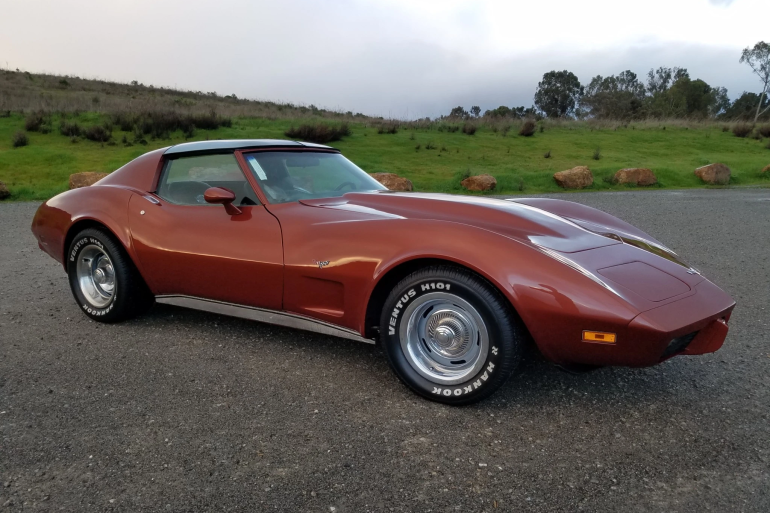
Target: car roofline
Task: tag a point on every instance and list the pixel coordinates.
(240, 144)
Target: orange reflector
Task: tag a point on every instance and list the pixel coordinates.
(598, 336)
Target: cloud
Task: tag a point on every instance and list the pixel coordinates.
(721, 3)
(396, 58)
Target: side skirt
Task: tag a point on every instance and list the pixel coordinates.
(287, 319)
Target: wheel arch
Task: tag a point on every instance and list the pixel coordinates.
(88, 222)
(389, 278)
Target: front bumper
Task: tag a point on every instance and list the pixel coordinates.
(695, 324)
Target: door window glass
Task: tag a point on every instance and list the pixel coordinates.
(185, 179)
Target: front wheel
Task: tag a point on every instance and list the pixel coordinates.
(106, 284)
(449, 335)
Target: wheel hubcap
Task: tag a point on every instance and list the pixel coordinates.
(444, 338)
(96, 276)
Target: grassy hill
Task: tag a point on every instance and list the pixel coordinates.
(434, 157)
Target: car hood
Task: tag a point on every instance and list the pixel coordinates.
(554, 224)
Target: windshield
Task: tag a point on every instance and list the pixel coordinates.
(291, 176)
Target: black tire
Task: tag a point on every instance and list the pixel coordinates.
(504, 332)
(130, 295)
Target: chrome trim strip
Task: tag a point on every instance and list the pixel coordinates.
(287, 319)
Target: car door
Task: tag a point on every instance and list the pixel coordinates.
(188, 247)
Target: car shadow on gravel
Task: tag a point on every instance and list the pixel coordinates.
(537, 383)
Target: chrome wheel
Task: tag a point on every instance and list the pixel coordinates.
(444, 338)
(96, 276)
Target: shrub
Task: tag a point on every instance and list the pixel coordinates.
(20, 139)
(506, 129)
(417, 148)
(430, 146)
(97, 133)
(34, 121)
(742, 130)
(69, 129)
(318, 133)
(390, 127)
(597, 154)
(528, 128)
(764, 130)
(469, 128)
(725, 128)
(5, 113)
(547, 154)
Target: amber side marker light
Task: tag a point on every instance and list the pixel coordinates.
(599, 337)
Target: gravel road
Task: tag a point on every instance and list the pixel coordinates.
(187, 411)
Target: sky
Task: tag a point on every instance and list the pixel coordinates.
(393, 58)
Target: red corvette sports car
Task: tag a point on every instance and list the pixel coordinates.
(453, 287)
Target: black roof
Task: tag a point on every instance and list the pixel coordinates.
(239, 144)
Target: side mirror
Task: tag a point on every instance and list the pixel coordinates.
(222, 196)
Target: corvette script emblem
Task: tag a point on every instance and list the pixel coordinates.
(321, 264)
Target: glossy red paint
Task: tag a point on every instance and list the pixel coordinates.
(565, 268)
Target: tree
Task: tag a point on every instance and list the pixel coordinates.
(558, 93)
(614, 97)
(758, 59)
(458, 112)
(744, 108)
(476, 111)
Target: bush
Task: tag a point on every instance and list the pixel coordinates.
(547, 154)
(34, 121)
(469, 128)
(318, 133)
(764, 130)
(390, 127)
(69, 129)
(528, 128)
(97, 133)
(430, 146)
(20, 139)
(160, 124)
(597, 154)
(742, 130)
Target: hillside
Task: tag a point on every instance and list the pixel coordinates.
(132, 119)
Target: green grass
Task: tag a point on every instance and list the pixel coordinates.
(41, 169)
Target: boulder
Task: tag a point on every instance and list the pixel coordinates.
(393, 182)
(714, 174)
(575, 178)
(636, 176)
(4, 192)
(766, 169)
(79, 180)
(479, 183)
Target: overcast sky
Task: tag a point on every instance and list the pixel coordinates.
(395, 58)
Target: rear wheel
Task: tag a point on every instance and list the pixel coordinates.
(449, 335)
(106, 284)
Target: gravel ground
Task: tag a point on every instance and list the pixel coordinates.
(187, 411)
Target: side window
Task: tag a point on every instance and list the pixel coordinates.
(185, 179)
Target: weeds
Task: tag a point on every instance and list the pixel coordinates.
(319, 133)
(19, 139)
(34, 122)
(597, 154)
(430, 146)
(547, 154)
(742, 130)
(417, 148)
(69, 129)
(528, 128)
(98, 133)
(390, 127)
(469, 128)
(764, 130)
